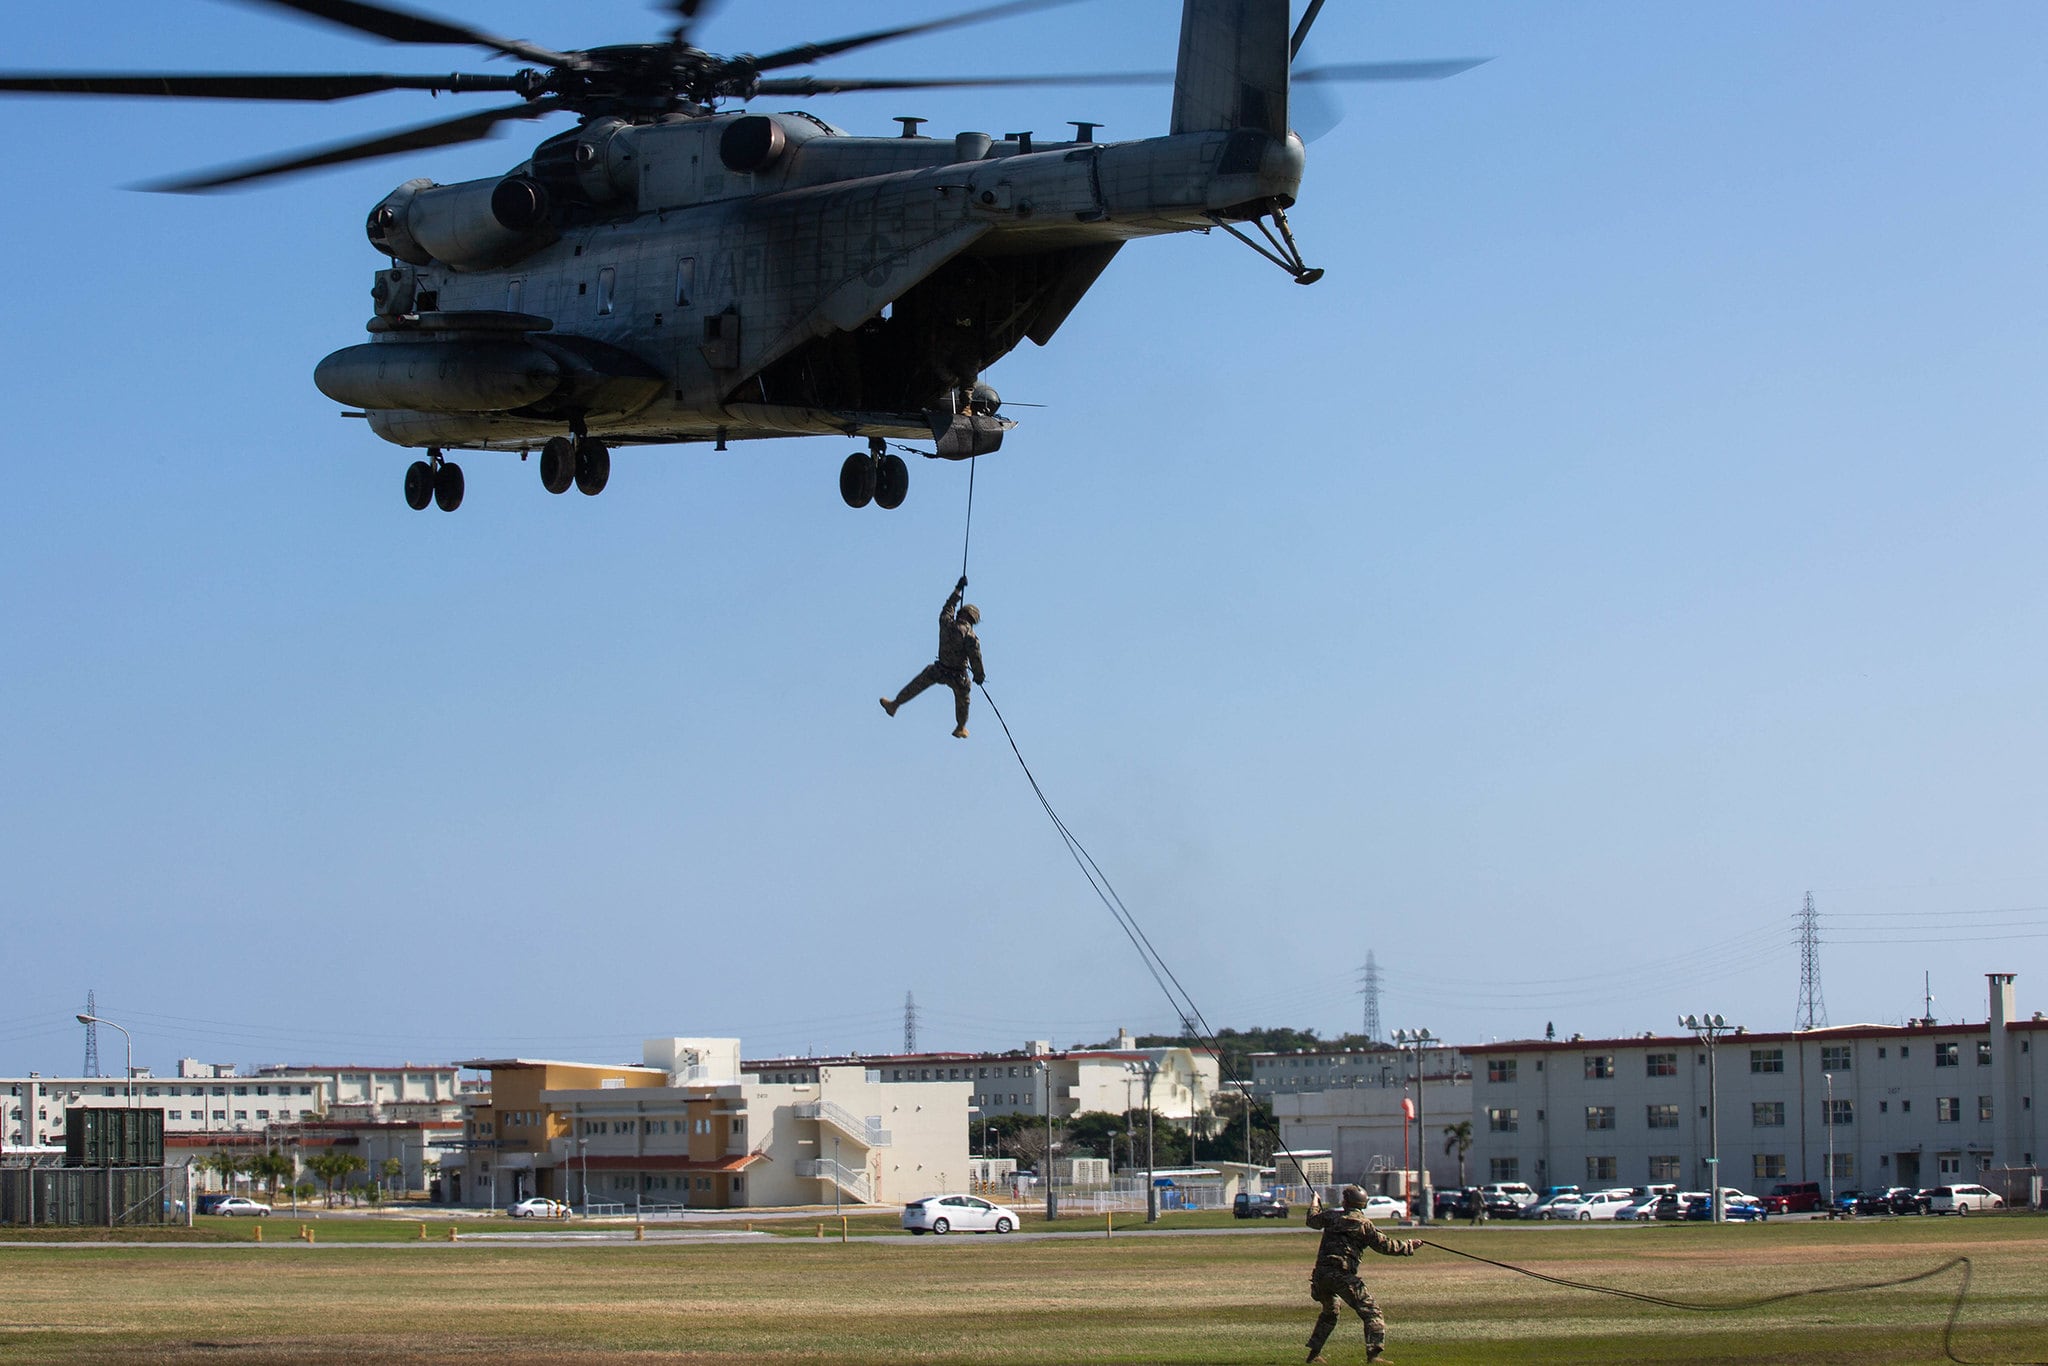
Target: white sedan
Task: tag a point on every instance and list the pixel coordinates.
(967, 1213)
(240, 1205)
(1604, 1204)
(539, 1207)
(1384, 1207)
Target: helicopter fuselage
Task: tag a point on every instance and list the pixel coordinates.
(715, 277)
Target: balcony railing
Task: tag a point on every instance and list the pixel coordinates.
(866, 1132)
(853, 1182)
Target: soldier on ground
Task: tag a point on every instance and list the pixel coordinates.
(1477, 1197)
(959, 655)
(1346, 1235)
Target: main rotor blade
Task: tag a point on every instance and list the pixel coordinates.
(687, 13)
(1356, 71)
(1390, 71)
(806, 53)
(1308, 21)
(403, 26)
(224, 86)
(468, 128)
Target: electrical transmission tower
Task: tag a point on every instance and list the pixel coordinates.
(1813, 1011)
(909, 1022)
(92, 1038)
(1369, 988)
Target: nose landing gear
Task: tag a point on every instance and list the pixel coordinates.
(874, 476)
(433, 480)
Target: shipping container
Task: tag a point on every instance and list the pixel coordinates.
(101, 1136)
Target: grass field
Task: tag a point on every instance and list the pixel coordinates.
(1220, 1297)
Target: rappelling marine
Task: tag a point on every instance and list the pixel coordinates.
(959, 658)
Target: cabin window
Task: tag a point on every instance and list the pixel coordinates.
(607, 290)
(686, 281)
(515, 296)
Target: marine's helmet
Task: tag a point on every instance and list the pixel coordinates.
(1354, 1197)
(972, 614)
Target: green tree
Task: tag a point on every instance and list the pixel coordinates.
(392, 1171)
(335, 1168)
(269, 1167)
(1458, 1138)
(225, 1165)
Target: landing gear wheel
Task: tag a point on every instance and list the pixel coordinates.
(892, 482)
(419, 485)
(857, 479)
(558, 464)
(448, 487)
(593, 466)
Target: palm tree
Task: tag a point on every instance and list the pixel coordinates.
(1458, 1138)
(269, 1167)
(391, 1169)
(225, 1165)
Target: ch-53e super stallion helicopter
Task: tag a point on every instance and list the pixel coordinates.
(672, 270)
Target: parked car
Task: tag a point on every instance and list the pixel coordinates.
(967, 1213)
(539, 1207)
(1556, 1205)
(1644, 1207)
(1795, 1197)
(1502, 1194)
(1263, 1205)
(1962, 1199)
(1451, 1204)
(232, 1205)
(209, 1203)
(1384, 1207)
(1604, 1204)
(1749, 1209)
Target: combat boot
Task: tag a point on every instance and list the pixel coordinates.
(1373, 1352)
(959, 732)
(889, 706)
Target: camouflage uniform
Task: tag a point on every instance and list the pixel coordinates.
(959, 656)
(1346, 1235)
(1479, 1210)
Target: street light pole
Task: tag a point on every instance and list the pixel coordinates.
(1420, 1038)
(1710, 1028)
(1149, 1070)
(1829, 1077)
(1052, 1201)
(126, 1039)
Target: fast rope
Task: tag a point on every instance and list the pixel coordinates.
(967, 538)
(1177, 996)
(1948, 1332)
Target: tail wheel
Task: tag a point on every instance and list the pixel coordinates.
(593, 466)
(857, 479)
(419, 485)
(448, 487)
(892, 482)
(558, 464)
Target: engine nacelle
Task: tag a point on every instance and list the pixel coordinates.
(472, 226)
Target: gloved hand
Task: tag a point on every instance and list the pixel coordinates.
(961, 586)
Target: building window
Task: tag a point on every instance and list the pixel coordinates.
(739, 1185)
(1664, 1168)
(739, 1129)
(1663, 1116)
(1947, 1054)
(1599, 1116)
(1660, 1064)
(1599, 1066)
(1766, 1059)
(1504, 1168)
(1767, 1114)
(1906, 1107)
(1950, 1165)
(175, 1114)
(1500, 1070)
(1834, 1058)
(1948, 1109)
(1842, 1166)
(1768, 1166)
(1883, 1106)
(1983, 1052)
(1503, 1121)
(1880, 1051)
(1984, 1108)
(1838, 1112)
(1599, 1169)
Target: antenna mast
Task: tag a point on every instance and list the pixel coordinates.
(1369, 988)
(1813, 1011)
(909, 1022)
(92, 1038)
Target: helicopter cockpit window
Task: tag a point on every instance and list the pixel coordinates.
(607, 290)
(686, 280)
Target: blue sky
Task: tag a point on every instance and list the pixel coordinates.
(1637, 528)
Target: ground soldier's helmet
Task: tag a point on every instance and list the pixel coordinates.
(1354, 1197)
(972, 614)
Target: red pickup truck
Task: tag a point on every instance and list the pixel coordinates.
(1795, 1197)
